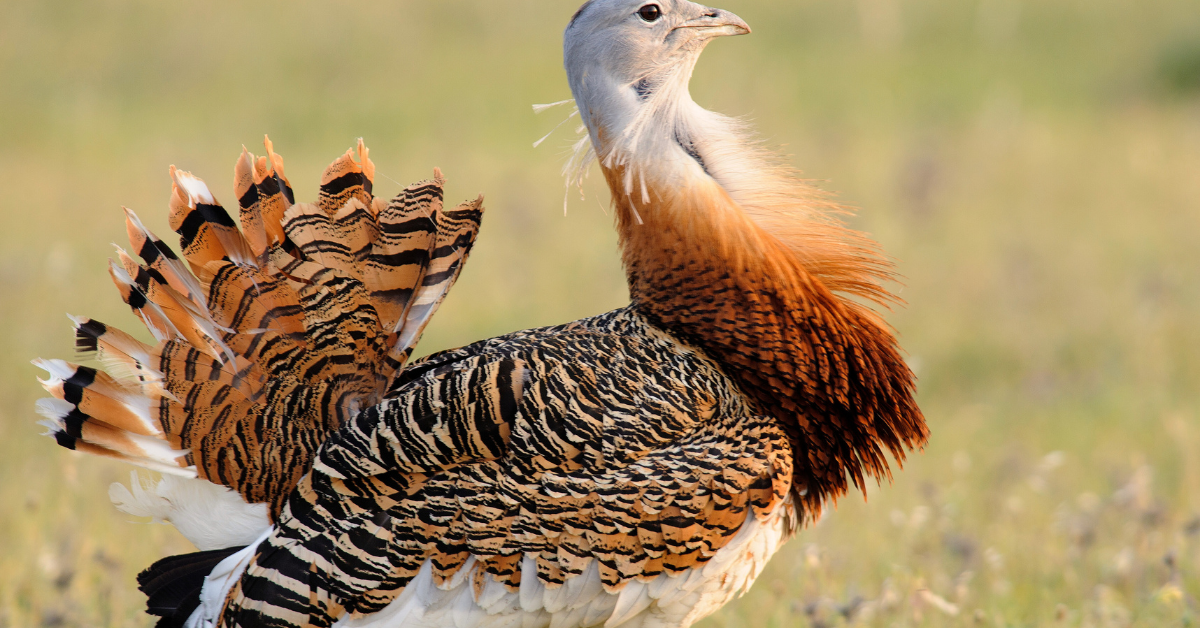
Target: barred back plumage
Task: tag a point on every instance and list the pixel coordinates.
(637, 468)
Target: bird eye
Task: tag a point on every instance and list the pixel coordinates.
(650, 12)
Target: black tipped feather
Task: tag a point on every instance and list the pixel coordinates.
(64, 439)
(88, 335)
(173, 584)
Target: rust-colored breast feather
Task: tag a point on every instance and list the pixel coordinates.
(828, 369)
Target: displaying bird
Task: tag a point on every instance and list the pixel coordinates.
(637, 468)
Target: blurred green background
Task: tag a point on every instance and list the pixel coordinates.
(1033, 167)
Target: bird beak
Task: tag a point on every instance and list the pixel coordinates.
(718, 23)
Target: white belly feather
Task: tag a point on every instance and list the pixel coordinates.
(665, 602)
(582, 602)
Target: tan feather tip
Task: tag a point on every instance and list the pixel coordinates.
(243, 171)
(275, 160)
(364, 159)
(134, 225)
(438, 177)
(134, 230)
(179, 198)
(262, 169)
(127, 262)
(277, 166)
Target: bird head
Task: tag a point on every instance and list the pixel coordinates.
(666, 158)
(629, 63)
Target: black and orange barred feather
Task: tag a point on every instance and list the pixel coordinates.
(269, 337)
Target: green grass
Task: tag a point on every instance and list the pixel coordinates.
(1034, 168)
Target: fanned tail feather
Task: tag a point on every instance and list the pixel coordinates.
(160, 259)
(93, 412)
(268, 336)
(264, 194)
(457, 230)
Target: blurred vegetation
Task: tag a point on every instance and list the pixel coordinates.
(1181, 68)
(1034, 168)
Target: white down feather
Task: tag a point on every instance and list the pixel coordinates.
(210, 516)
(582, 602)
(219, 583)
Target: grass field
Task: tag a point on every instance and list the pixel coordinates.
(1033, 167)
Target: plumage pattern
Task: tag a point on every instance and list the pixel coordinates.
(513, 449)
(269, 337)
(633, 469)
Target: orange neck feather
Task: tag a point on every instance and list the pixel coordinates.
(701, 267)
